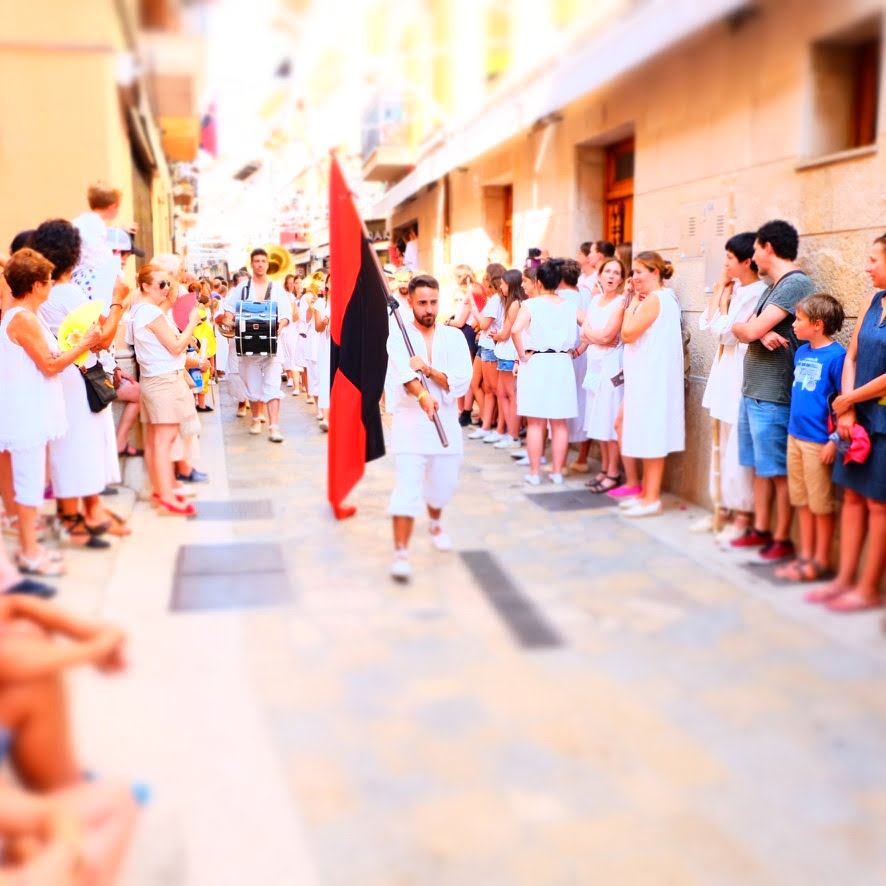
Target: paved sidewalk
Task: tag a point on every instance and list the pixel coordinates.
(690, 723)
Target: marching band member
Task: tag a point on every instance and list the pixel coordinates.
(261, 373)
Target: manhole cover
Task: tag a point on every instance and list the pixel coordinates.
(570, 500)
(244, 509)
(229, 576)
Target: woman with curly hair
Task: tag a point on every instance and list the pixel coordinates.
(81, 461)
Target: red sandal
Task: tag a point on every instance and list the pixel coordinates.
(180, 508)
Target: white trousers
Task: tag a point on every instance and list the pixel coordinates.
(736, 482)
(29, 475)
(261, 377)
(423, 480)
(232, 376)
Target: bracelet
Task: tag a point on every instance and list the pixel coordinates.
(116, 304)
(422, 394)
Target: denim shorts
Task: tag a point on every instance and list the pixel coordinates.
(487, 355)
(506, 365)
(763, 437)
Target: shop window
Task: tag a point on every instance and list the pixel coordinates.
(846, 90)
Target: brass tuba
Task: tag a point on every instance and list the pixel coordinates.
(279, 261)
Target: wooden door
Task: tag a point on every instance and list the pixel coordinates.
(618, 196)
(508, 227)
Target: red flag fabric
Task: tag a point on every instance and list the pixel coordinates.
(208, 134)
(359, 359)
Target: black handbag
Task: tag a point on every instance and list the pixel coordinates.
(100, 390)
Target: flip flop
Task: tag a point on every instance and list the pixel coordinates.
(130, 452)
(852, 601)
(119, 527)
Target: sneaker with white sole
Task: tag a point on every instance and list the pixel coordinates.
(274, 434)
(296, 392)
(310, 401)
(523, 461)
(519, 453)
(638, 510)
(533, 479)
(441, 541)
(557, 479)
(626, 503)
(494, 437)
(242, 412)
(324, 425)
(255, 427)
(479, 434)
(290, 383)
(506, 443)
(400, 566)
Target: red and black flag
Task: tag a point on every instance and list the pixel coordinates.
(359, 329)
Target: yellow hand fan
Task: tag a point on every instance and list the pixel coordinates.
(75, 326)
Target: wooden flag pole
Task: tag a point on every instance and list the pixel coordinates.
(395, 311)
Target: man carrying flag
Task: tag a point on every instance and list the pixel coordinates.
(426, 469)
(358, 356)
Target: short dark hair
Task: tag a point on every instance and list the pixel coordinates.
(742, 247)
(571, 271)
(58, 241)
(258, 251)
(549, 275)
(605, 248)
(585, 248)
(423, 280)
(25, 268)
(824, 307)
(21, 240)
(782, 236)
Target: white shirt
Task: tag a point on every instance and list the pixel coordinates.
(63, 298)
(153, 357)
(588, 281)
(722, 394)
(493, 308)
(278, 295)
(410, 256)
(411, 429)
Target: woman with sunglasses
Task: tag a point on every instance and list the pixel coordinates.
(166, 397)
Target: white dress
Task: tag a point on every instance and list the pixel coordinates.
(33, 410)
(79, 462)
(602, 397)
(288, 346)
(324, 355)
(654, 422)
(546, 383)
(581, 298)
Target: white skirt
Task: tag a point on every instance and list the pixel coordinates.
(602, 398)
(546, 387)
(576, 425)
(78, 461)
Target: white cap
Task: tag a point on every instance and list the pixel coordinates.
(120, 241)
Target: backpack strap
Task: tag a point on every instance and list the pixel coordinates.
(245, 295)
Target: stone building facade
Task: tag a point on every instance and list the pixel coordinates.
(770, 110)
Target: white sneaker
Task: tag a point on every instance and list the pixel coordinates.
(296, 392)
(310, 401)
(533, 479)
(625, 503)
(522, 461)
(703, 524)
(506, 443)
(274, 434)
(441, 541)
(255, 427)
(519, 453)
(479, 434)
(242, 412)
(400, 568)
(557, 479)
(324, 425)
(650, 510)
(494, 437)
(262, 418)
(290, 383)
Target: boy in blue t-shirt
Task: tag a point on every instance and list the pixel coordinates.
(818, 373)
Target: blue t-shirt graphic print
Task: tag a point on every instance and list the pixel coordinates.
(818, 374)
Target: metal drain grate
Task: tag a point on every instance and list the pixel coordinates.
(530, 628)
(244, 509)
(570, 500)
(229, 576)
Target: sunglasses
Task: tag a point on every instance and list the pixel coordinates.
(164, 284)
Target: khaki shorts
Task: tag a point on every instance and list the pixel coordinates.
(166, 399)
(809, 481)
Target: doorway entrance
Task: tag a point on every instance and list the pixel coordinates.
(618, 192)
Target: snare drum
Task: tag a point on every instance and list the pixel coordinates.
(255, 328)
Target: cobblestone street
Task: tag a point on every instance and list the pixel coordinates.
(678, 719)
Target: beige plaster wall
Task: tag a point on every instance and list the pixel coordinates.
(729, 112)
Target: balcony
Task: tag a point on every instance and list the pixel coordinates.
(388, 143)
